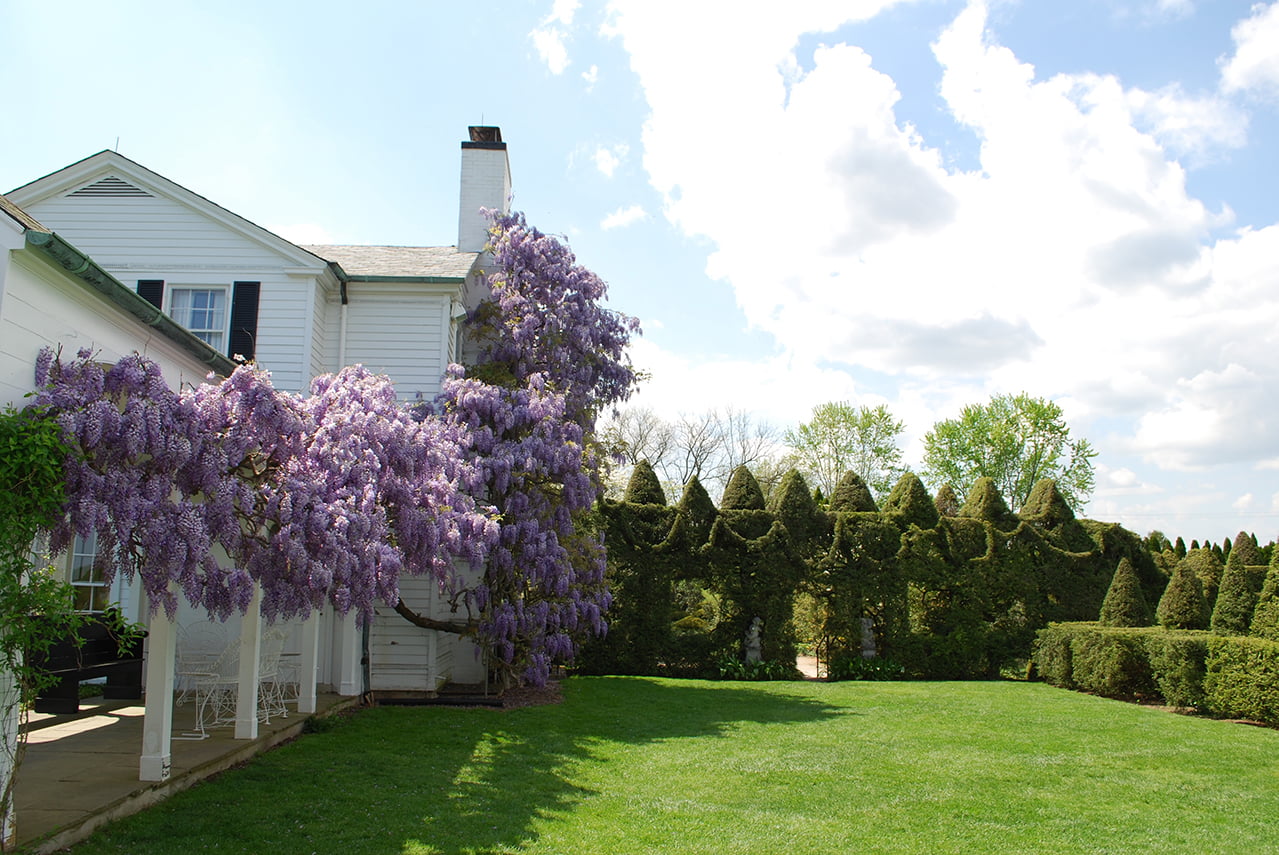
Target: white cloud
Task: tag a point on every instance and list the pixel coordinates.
(624, 217)
(1243, 503)
(607, 159)
(551, 37)
(590, 76)
(1189, 125)
(1174, 8)
(1073, 263)
(1254, 65)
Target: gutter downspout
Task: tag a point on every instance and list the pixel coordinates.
(87, 270)
(342, 280)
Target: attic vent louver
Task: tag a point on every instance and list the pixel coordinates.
(110, 186)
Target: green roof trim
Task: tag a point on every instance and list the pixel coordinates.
(111, 289)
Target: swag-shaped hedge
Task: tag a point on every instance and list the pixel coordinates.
(955, 595)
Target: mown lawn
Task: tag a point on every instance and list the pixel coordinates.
(630, 765)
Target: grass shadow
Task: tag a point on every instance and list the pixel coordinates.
(441, 780)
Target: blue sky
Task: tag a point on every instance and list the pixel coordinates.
(919, 204)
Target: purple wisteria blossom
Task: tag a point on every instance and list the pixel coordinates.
(552, 359)
(210, 490)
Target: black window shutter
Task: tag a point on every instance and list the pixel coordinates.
(244, 319)
(152, 290)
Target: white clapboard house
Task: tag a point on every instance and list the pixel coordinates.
(298, 311)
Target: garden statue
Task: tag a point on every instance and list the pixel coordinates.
(752, 640)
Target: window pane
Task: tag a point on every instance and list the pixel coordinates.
(202, 311)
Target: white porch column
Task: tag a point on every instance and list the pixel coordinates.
(309, 662)
(9, 710)
(347, 652)
(246, 705)
(157, 725)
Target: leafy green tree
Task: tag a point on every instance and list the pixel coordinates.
(841, 438)
(1016, 440)
(1232, 614)
(1182, 605)
(1125, 605)
(1179, 547)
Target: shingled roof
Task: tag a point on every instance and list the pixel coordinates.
(398, 262)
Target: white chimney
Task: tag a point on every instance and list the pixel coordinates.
(486, 183)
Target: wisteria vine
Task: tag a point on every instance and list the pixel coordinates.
(330, 497)
(210, 490)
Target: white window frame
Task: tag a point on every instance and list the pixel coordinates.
(204, 333)
(84, 564)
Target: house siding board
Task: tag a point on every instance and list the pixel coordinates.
(403, 657)
(398, 333)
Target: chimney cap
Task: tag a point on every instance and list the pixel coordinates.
(485, 133)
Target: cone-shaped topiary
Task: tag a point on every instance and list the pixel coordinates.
(1265, 618)
(1207, 567)
(743, 492)
(1125, 605)
(1179, 547)
(1182, 605)
(1246, 547)
(644, 488)
(1232, 614)
(1046, 505)
(698, 510)
(910, 500)
(851, 494)
(793, 505)
(985, 503)
(946, 501)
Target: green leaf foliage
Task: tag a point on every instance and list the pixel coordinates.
(1016, 440)
(1182, 605)
(1232, 614)
(851, 495)
(743, 492)
(1180, 548)
(644, 488)
(1125, 605)
(841, 438)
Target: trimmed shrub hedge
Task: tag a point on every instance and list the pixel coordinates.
(1231, 676)
(1242, 678)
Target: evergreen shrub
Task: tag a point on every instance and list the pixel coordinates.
(1232, 615)
(1124, 604)
(1182, 605)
